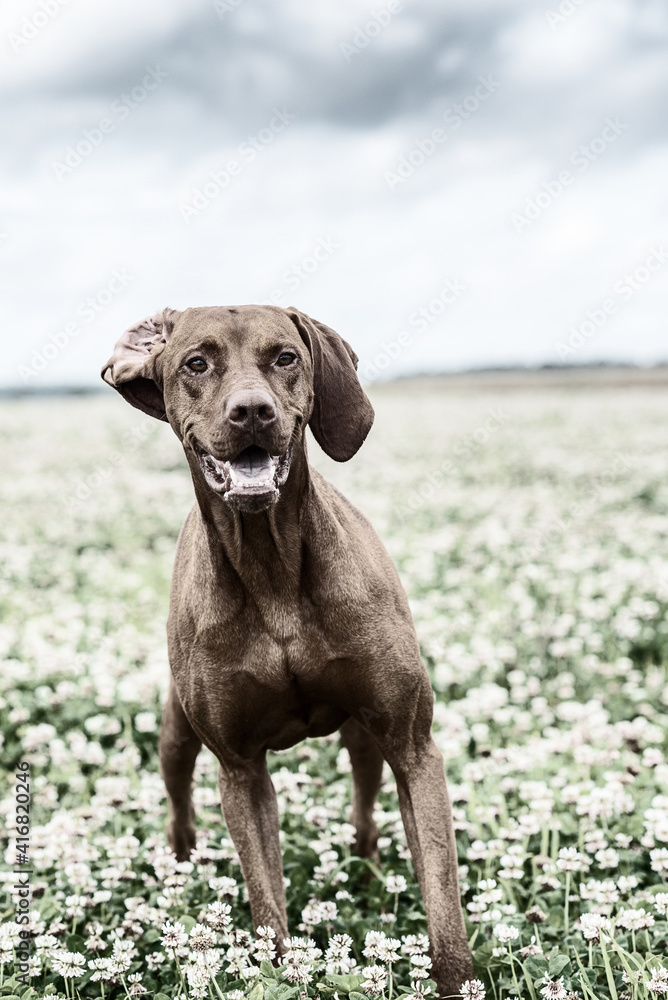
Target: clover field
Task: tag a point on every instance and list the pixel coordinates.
(530, 529)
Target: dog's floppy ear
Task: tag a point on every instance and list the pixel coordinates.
(131, 368)
(342, 414)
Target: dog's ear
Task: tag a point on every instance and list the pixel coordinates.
(342, 414)
(131, 369)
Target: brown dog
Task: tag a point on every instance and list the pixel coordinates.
(287, 618)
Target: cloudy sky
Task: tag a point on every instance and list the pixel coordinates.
(448, 183)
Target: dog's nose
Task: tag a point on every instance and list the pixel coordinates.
(251, 410)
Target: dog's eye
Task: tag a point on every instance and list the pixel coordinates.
(197, 365)
(285, 359)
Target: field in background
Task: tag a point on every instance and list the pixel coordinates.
(530, 527)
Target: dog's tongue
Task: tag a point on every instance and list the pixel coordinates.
(253, 468)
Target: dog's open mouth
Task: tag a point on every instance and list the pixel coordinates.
(253, 476)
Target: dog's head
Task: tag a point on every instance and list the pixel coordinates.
(238, 385)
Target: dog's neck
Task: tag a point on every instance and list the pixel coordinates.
(263, 548)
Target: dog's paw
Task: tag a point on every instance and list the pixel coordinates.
(181, 839)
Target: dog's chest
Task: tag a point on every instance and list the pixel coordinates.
(280, 641)
(258, 690)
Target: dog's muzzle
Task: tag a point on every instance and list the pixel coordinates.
(249, 482)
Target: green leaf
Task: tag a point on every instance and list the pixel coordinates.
(527, 979)
(285, 992)
(536, 966)
(257, 992)
(357, 996)
(556, 965)
(75, 942)
(345, 983)
(608, 970)
(267, 969)
(160, 996)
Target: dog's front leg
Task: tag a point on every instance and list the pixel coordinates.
(251, 813)
(177, 752)
(427, 815)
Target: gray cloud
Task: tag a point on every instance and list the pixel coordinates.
(326, 173)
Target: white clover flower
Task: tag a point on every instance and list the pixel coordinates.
(414, 944)
(68, 964)
(570, 860)
(136, 988)
(659, 860)
(506, 933)
(173, 935)
(225, 886)
(658, 982)
(533, 948)
(264, 948)
(396, 883)
(603, 893)
(371, 943)
(420, 990)
(217, 915)
(472, 989)
(318, 911)
(607, 858)
(554, 989)
(591, 925)
(513, 867)
(388, 950)
(661, 903)
(146, 722)
(420, 966)
(300, 951)
(375, 980)
(201, 938)
(198, 981)
(298, 972)
(338, 960)
(634, 920)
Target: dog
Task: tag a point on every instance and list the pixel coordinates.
(287, 618)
